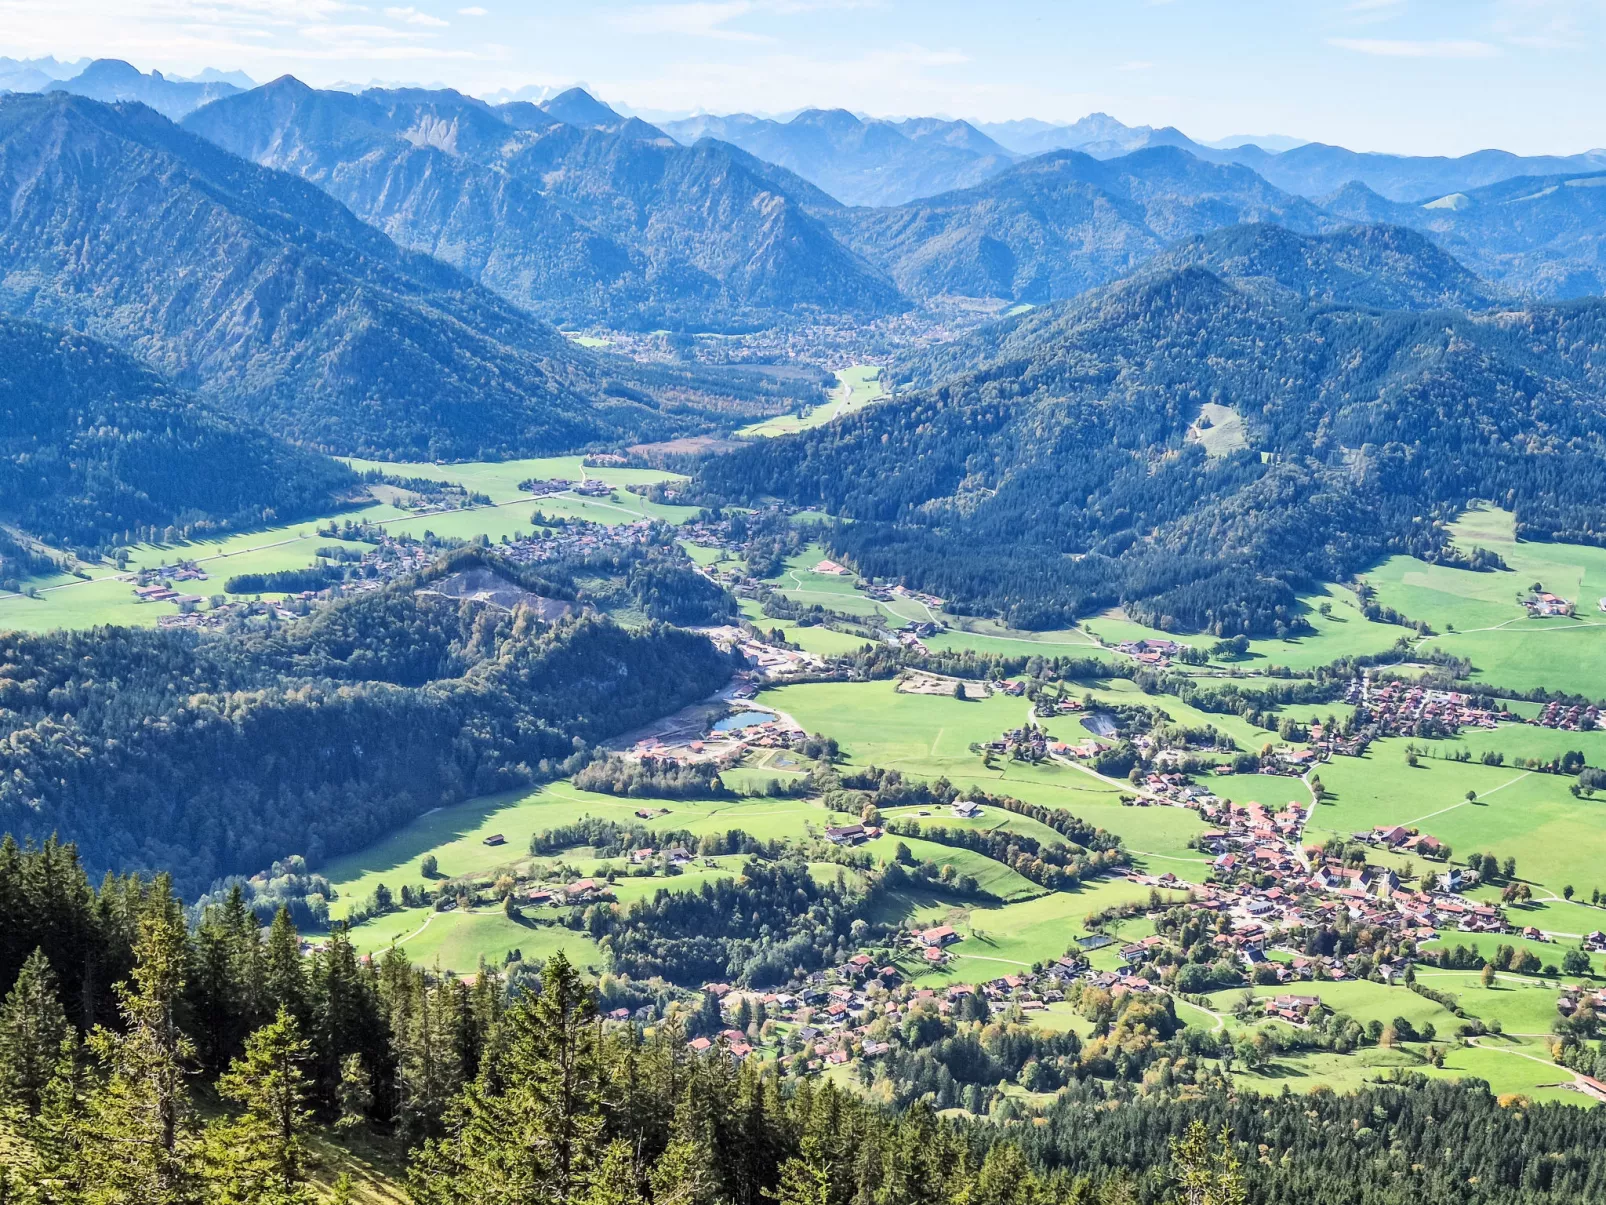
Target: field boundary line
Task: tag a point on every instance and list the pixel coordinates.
(1465, 802)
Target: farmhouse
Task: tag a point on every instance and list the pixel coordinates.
(942, 935)
(847, 834)
(496, 839)
(966, 809)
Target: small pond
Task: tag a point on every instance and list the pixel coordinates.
(743, 719)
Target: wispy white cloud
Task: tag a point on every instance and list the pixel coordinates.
(1551, 24)
(1394, 48)
(699, 19)
(413, 16)
(475, 11)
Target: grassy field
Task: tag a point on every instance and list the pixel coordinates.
(1479, 615)
(1532, 817)
(856, 388)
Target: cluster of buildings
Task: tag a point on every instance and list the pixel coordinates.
(1395, 708)
(591, 487)
(1569, 717)
(1542, 604)
(1155, 653)
(770, 662)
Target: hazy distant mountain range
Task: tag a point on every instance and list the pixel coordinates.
(577, 212)
(861, 162)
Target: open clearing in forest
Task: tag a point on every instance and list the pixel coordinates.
(855, 388)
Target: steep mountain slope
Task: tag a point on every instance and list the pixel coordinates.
(115, 80)
(576, 224)
(861, 162)
(1383, 267)
(94, 445)
(1057, 472)
(273, 300)
(1054, 226)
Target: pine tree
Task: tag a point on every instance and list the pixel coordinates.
(528, 1128)
(805, 1178)
(284, 981)
(685, 1172)
(32, 1028)
(614, 1182)
(1207, 1173)
(258, 1155)
(355, 1095)
(141, 1143)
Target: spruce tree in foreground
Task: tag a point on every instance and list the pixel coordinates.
(32, 1028)
(528, 1128)
(140, 1144)
(259, 1154)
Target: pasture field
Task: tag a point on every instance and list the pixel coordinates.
(1363, 1000)
(926, 736)
(856, 388)
(456, 941)
(822, 641)
(1523, 1004)
(989, 636)
(1002, 939)
(1549, 953)
(1342, 632)
(1532, 817)
(1480, 616)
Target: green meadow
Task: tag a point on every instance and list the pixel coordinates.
(1480, 615)
(856, 388)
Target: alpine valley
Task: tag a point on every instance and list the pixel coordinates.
(553, 652)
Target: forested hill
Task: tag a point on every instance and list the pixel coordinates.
(1383, 267)
(577, 223)
(1061, 474)
(94, 446)
(275, 302)
(204, 756)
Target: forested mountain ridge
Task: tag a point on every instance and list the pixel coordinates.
(276, 303)
(1057, 468)
(1376, 266)
(93, 445)
(582, 223)
(211, 755)
(1059, 224)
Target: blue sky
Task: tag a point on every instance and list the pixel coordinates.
(1420, 76)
